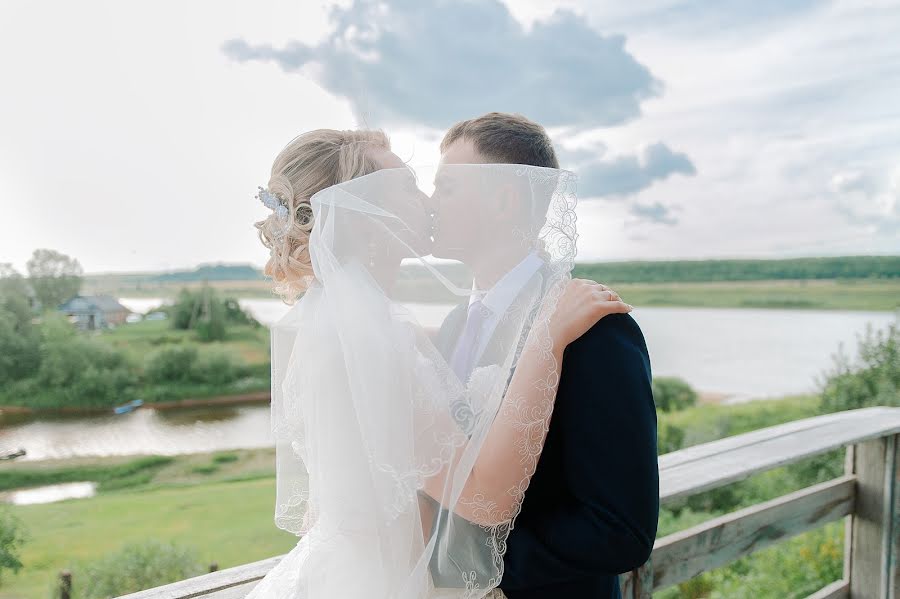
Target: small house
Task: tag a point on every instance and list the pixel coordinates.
(92, 312)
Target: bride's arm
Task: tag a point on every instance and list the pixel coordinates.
(515, 439)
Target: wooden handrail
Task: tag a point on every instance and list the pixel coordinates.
(867, 495)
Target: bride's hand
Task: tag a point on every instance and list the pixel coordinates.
(582, 303)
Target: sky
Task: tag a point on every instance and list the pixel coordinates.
(133, 135)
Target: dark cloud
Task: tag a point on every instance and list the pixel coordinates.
(434, 62)
(624, 175)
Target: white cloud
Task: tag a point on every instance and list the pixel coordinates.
(432, 62)
(131, 142)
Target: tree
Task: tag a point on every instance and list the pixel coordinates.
(55, 277)
(202, 311)
(19, 338)
(12, 283)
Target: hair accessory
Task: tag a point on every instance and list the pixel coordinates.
(275, 202)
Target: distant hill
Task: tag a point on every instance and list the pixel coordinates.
(211, 272)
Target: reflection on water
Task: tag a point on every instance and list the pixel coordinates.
(744, 352)
(144, 431)
(50, 493)
(190, 416)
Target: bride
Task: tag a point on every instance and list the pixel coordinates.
(401, 472)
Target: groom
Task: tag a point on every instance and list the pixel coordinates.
(592, 507)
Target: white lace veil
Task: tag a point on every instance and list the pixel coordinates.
(404, 478)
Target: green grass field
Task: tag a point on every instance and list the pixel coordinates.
(140, 338)
(827, 294)
(227, 516)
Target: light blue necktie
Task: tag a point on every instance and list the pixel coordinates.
(463, 356)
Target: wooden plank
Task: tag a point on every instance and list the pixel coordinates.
(638, 583)
(848, 520)
(720, 541)
(221, 584)
(237, 592)
(643, 580)
(695, 469)
(682, 473)
(626, 587)
(871, 565)
(839, 589)
(710, 448)
(894, 534)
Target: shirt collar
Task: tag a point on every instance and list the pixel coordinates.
(499, 297)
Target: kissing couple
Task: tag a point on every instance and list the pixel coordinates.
(454, 415)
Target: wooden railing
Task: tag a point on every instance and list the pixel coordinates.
(867, 495)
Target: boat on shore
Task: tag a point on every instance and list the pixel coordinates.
(128, 407)
(11, 455)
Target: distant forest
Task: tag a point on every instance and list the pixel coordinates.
(658, 271)
(840, 267)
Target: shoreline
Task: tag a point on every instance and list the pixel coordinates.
(193, 402)
(703, 398)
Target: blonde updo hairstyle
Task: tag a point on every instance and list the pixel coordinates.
(311, 162)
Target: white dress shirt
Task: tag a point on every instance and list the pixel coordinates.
(499, 297)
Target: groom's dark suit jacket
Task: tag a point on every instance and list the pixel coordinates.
(592, 507)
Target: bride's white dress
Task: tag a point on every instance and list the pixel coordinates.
(344, 562)
(283, 581)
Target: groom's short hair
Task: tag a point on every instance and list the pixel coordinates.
(505, 138)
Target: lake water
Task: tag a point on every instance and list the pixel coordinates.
(746, 353)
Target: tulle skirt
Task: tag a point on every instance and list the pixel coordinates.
(283, 581)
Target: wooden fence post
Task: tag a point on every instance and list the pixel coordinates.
(65, 584)
(637, 583)
(643, 580)
(874, 528)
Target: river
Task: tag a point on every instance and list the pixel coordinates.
(744, 353)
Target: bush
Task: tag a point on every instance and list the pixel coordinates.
(222, 458)
(669, 437)
(55, 326)
(170, 364)
(672, 393)
(135, 567)
(796, 567)
(216, 366)
(713, 421)
(205, 469)
(12, 536)
(234, 313)
(873, 381)
(84, 371)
